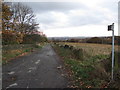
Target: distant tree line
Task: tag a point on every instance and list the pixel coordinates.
(19, 25)
(104, 40)
(98, 40)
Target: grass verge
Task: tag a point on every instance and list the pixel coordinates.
(85, 73)
(10, 52)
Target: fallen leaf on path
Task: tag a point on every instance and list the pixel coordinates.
(59, 67)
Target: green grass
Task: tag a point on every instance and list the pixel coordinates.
(82, 69)
(8, 55)
(117, 62)
(9, 52)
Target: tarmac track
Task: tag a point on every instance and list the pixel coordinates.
(36, 70)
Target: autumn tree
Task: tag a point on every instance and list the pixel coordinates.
(23, 18)
(19, 25)
(6, 17)
(8, 35)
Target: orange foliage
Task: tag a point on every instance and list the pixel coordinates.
(11, 37)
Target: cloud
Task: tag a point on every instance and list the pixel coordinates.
(78, 17)
(46, 18)
(54, 15)
(52, 19)
(86, 30)
(42, 7)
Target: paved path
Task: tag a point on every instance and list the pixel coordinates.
(36, 70)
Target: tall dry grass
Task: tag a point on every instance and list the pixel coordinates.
(94, 49)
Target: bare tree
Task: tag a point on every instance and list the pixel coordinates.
(23, 18)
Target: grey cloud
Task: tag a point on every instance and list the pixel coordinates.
(92, 17)
(119, 11)
(112, 6)
(41, 7)
(46, 18)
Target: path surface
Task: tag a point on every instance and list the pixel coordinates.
(36, 70)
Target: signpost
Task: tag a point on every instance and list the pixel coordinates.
(111, 28)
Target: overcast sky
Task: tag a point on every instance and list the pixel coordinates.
(83, 18)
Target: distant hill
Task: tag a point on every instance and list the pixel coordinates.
(100, 40)
(65, 38)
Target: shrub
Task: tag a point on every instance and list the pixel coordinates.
(94, 40)
(11, 37)
(33, 39)
(78, 53)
